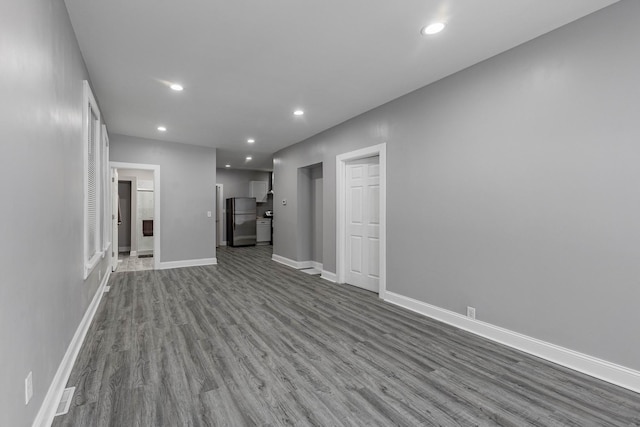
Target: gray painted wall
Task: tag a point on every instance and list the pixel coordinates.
(187, 192)
(43, 296)
(523, 175)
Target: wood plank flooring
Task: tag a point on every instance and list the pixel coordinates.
(251, 342)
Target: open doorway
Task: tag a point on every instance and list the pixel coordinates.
(138, 224)
(310, 220)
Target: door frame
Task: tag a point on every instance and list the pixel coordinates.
(220, 209)
(115, 209)
(156, 203)
(379, 150)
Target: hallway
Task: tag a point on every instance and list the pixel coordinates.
(252, 342)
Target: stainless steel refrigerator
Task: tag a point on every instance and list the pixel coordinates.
(241, 221)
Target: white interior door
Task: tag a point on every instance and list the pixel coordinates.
(363, 223)
(115, 203)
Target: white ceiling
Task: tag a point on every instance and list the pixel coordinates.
(247, 64)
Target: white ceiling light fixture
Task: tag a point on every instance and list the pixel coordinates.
(176, 87)
(431, 29)
(227, 166)
(251, 140)
(249, 158)
(298, 113)
(162, 128)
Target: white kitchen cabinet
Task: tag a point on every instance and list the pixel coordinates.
(263, 230)
(259, 190)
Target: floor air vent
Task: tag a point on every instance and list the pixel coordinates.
(65, 401)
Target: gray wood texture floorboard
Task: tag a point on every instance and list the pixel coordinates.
(250, 342)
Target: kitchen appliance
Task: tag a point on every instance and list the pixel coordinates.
(241, 221)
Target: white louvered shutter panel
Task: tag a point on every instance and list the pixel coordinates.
(92, 175)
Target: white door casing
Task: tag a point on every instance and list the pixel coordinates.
(363, 223)
(342, 162)
(219, 213)
(115, 203)
(157, 223)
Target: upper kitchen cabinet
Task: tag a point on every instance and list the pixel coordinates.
(259, 190)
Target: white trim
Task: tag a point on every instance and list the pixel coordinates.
(106, 188)
(598, 368)
(298, 265)
(91, 264)
(124, 249)
(133, 253)
(220, 225)
(286, 261)
(156, 205)
(317, 265)
(327, 275)
(89, 105)
(309, 264)
(52, 399)
(187, 263)
(106, 250)
(341, 171)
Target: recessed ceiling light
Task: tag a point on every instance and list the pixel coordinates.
(176, 87)
(249, 158)
(227, 166)
(251, 140)
(162, 128)
(434, 28)
(298, 113)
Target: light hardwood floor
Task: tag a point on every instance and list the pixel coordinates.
(251, 342)
(129, 263)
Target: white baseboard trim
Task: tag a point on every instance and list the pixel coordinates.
(309, 264)
(298, 265)
(223, 243)
(187, 263)
(286, 261)
(47, 411)
(124, 248)
(327, 275)
(592, 366)
(133, 253)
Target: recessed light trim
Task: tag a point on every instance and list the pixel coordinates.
(249, 158)
(251, 140)
(227, 166)
(177, 87)
(432, 29)
(298, 113)
(162, 128)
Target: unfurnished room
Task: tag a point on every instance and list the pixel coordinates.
(320, 213)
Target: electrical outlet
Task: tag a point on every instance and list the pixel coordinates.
(208, 214)
(471, 312)
(28, 388)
